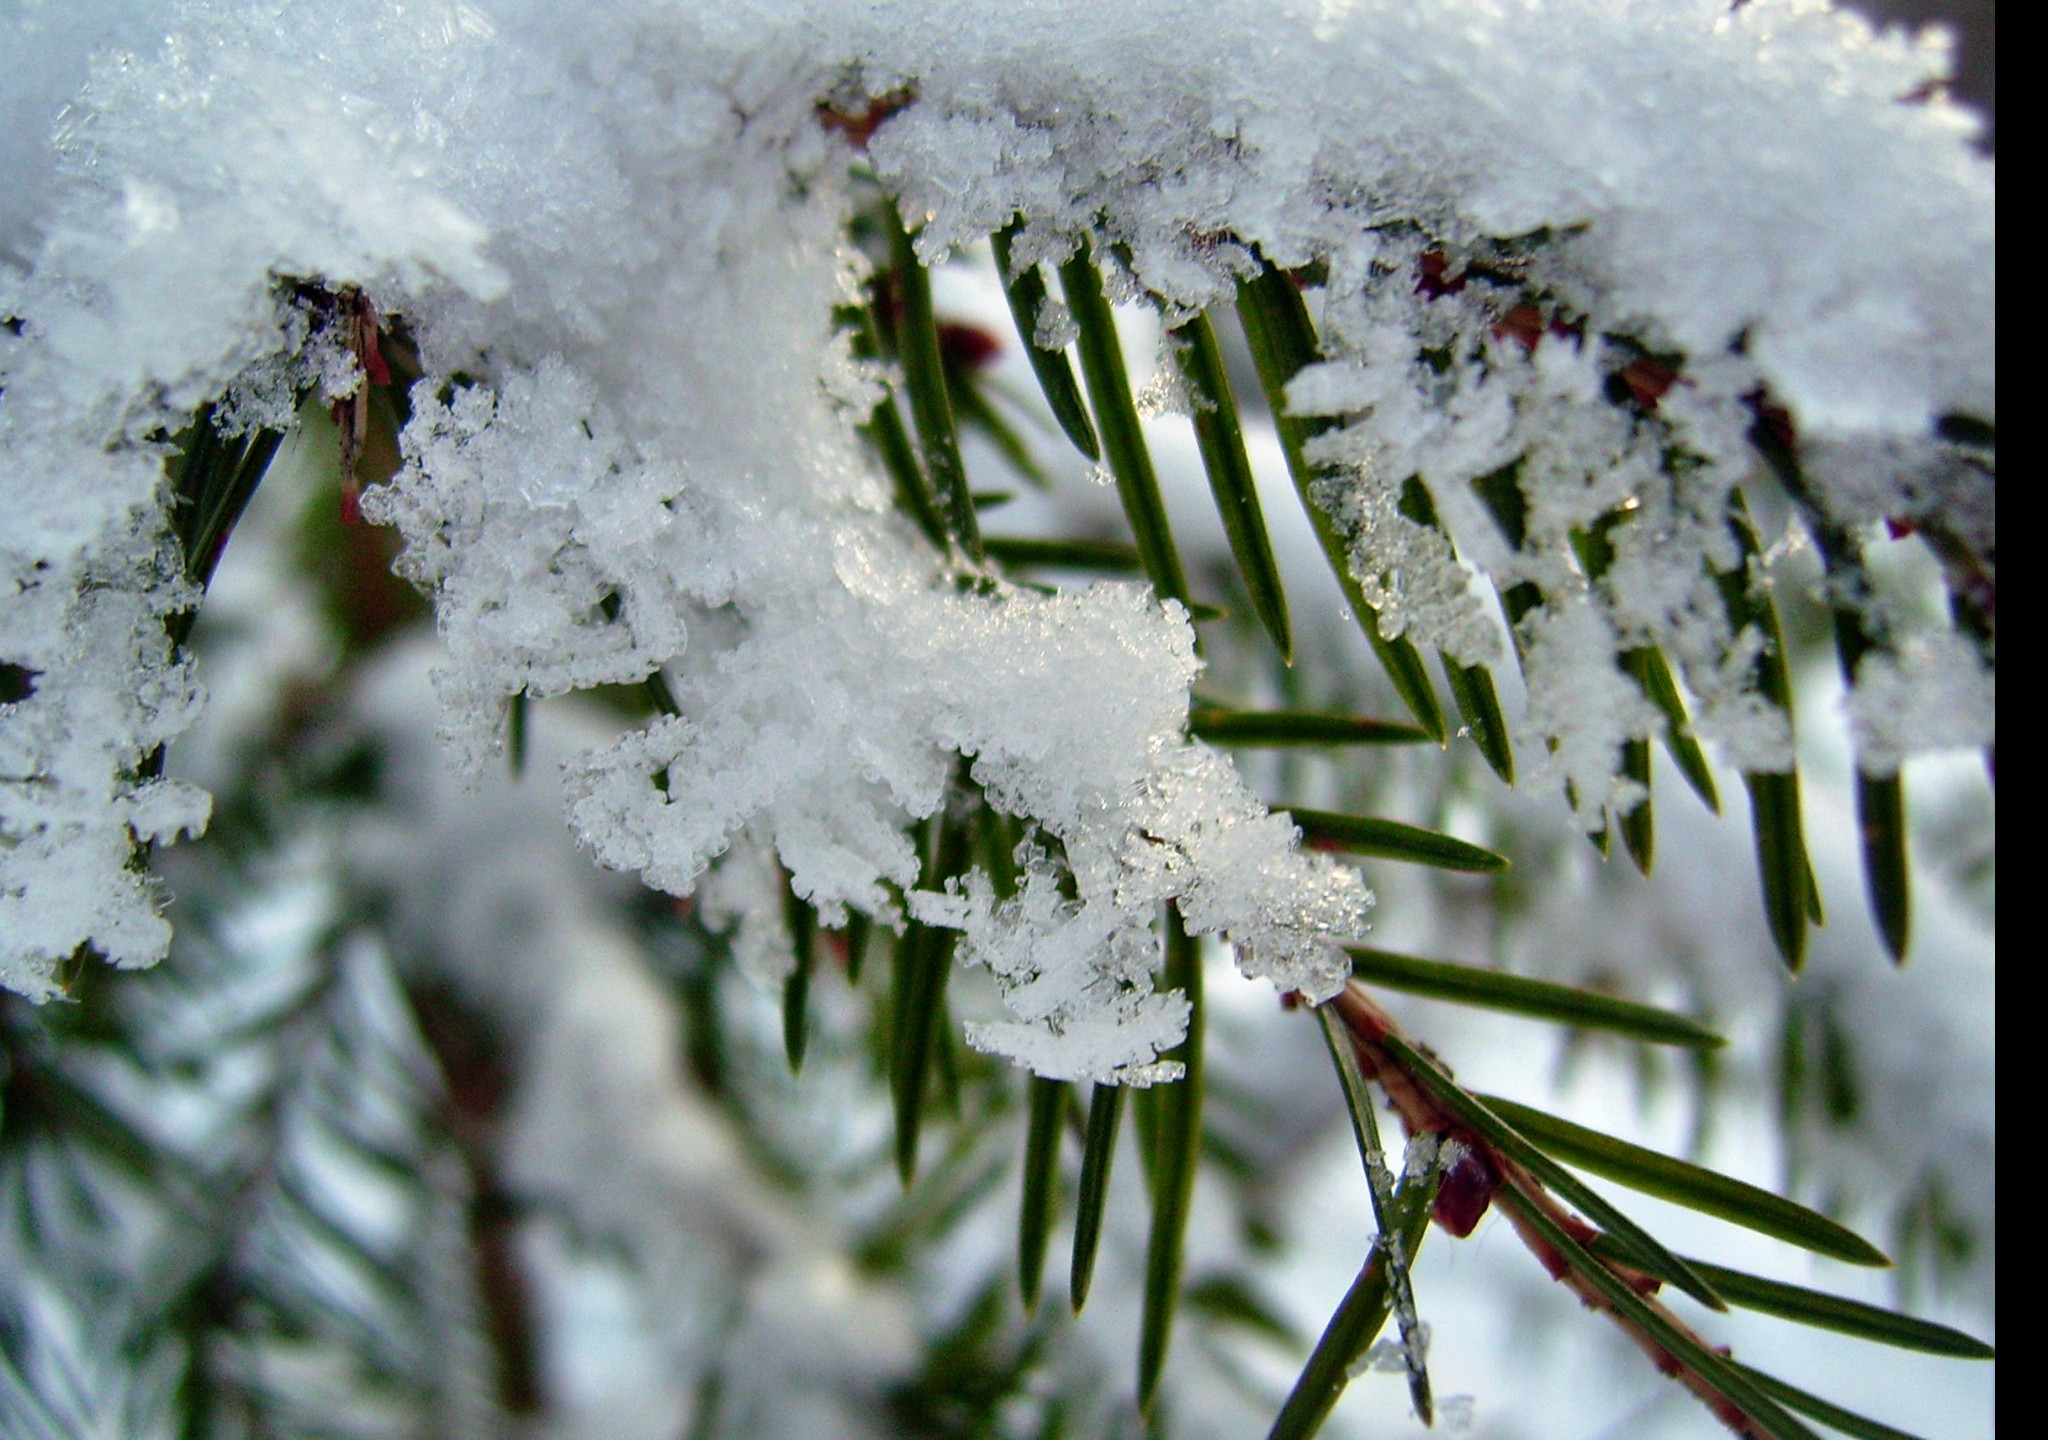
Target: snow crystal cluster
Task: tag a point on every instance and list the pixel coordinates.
(618, 242)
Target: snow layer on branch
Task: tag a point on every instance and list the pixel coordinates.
(1586, 245)
(626, 236)
(185, 184)
(1720, 170)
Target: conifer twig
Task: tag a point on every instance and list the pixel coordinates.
(1553, 1234)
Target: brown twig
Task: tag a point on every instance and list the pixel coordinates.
(1482, 1171)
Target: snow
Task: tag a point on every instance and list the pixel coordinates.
(1933, 689)
(618, 245)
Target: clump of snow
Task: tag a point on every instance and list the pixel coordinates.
(1577, 695)
(619, 243)
(743, 895)
(105, 695)
(543, 541)
(184, 184)
(1933, 691)
(1055, 327)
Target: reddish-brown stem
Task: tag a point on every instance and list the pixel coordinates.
(1528, 1190)
(1369, 1026)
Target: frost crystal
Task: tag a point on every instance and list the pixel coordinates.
(1585, 246)
(1934, 690)
(1055, 328)
(1398, 1356)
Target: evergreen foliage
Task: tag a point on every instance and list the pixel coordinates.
(297, 1179)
